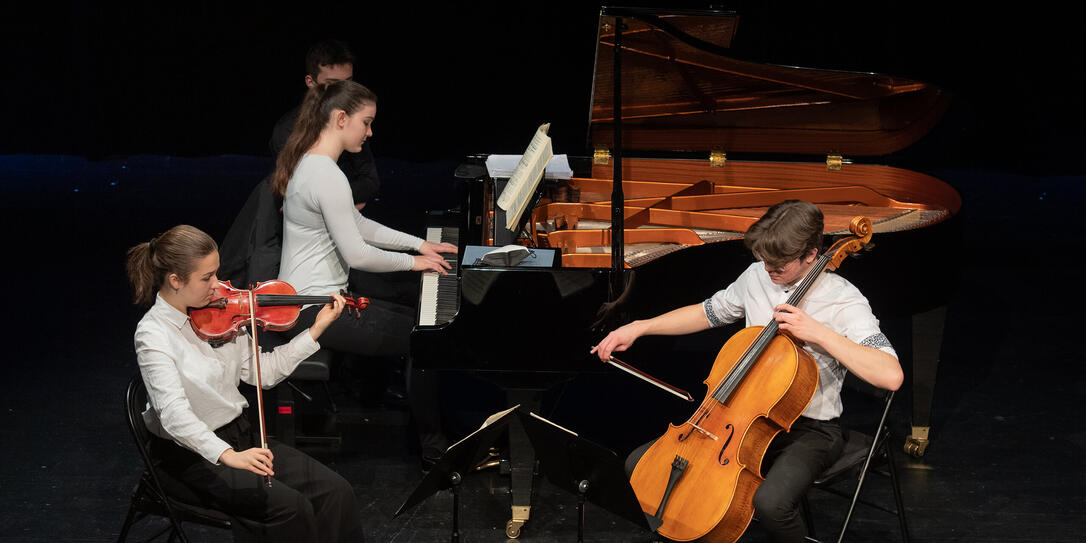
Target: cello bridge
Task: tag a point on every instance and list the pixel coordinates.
(704, 431)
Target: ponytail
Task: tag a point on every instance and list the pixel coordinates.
(176, 251)
(315, 113)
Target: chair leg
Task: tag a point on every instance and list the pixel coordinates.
(878, 443)
(892, 467)
(175, 521)
(331, 403)
(805, 510)
(127, 522)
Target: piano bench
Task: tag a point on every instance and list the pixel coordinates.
(316, 368)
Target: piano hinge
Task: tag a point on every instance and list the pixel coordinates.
(717, 158)
(834, 161)
(602, 155)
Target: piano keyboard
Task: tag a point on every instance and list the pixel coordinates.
(439, 299)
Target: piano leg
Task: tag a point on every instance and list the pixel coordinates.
(927, 336)
(521, 461)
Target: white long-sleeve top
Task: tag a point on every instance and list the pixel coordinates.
(324, 235)
(831, 300)
(192, 387)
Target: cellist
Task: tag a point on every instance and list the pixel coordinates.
(202, 438)
(833, 322)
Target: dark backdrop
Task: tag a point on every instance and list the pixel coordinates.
(200, 78)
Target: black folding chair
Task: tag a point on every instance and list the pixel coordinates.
(149, 496)
(863, 454)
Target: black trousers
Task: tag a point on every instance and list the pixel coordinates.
(792, 462)
(384, 329)
(307, 502)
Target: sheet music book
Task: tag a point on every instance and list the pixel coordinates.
(526, 176)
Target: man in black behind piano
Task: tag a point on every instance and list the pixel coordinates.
(326, 62)
(836, 326)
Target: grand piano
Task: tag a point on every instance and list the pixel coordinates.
(682, 172)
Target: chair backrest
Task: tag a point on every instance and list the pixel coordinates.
(135, 401)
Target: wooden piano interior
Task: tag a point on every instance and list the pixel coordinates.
(672, 204)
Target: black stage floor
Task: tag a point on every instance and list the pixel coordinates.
(1006, 462)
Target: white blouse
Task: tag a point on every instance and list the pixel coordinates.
(193, 387)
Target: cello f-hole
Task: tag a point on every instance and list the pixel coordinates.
(723, 460)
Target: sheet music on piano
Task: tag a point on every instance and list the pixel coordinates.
(526, 177)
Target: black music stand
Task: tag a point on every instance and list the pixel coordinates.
(584, 468)
(458, 460)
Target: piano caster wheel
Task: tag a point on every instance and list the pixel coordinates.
(917, 443)
(512, 528)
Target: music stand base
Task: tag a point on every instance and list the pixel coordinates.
(455, 479)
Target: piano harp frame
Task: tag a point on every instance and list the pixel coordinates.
(729, 198)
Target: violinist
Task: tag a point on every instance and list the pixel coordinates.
(202, 438)
(324, 237)
(834, 323)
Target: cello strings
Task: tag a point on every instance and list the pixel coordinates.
(723, 390)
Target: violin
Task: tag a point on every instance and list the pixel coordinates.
(271, 305)
(277, 308)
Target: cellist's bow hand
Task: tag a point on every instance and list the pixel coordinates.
(618, 340)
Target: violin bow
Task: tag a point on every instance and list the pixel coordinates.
(259, 388)
(649, 379)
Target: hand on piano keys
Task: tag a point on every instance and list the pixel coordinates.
(429, 259)
(432, 249)
(427, 263)
(438, 301)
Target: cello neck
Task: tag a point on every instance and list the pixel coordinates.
(804, 285)
(769, 331)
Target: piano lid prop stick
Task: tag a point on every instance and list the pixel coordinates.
(649, 379)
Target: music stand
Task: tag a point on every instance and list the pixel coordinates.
(584, 468)
(457, 461)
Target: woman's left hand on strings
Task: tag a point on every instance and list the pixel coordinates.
(328, 314)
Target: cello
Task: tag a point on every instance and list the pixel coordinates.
(698, 479)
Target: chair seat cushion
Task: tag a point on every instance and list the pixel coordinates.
(856, 448)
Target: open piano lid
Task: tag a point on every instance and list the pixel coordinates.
(682, 92)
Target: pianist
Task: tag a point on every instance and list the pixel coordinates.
(834, 320)
(324, 237)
